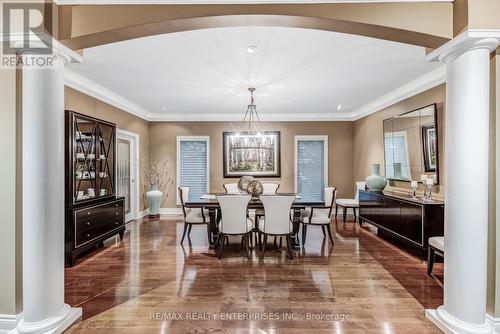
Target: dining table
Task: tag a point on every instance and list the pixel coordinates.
(210, 203)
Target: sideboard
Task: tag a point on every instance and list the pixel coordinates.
(410, 220)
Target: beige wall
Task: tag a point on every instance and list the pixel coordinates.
(340, 154)
(369, 140)
(84, 104)
(10, 233)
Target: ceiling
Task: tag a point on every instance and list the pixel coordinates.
(299, 74)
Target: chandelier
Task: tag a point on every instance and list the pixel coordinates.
(251, 122)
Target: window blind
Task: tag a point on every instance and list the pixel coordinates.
(311, 169)
(193, 167)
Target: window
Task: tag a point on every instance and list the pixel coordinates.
(193, 165)
(311, 167)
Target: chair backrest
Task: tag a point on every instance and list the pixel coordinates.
(270, 188)
(184, 196)
(234, 213)
(277, 209)
(360, 185)
(232, 188)
(330, 196)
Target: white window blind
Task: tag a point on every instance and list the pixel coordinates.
(193, 166)
(310, 168)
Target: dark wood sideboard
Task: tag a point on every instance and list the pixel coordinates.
(93, 211)
(410, 221)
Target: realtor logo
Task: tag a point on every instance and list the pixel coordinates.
(23, 28)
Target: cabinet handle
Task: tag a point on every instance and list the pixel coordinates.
(88, 223)
(116, 213)
(88, 213)
(88, 235)
(116, 204)
(116, 223)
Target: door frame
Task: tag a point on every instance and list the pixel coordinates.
(134, 169)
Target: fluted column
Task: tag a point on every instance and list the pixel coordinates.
(466, 190)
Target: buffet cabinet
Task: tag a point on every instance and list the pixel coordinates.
(93, 213)
(412, 221)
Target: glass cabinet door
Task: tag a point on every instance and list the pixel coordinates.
(106, 160)
(84, 159)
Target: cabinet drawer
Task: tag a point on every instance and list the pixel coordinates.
(92, 233)
(93, 222)
(116, 207)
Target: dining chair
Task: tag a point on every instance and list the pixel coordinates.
(232, 188)
(268, 189)
(349, 203)
(277, 221)
(234, 220)
(319, 215)
(195, 216)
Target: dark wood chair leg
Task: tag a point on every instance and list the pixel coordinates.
(354, 210)
(184, 232)
(329, 233)
(189, 230)
(208, 234)
(289, 246)
(248, 237)
(336, 210)
(275, 243)
(304, 233)
(323, 230)
(430, 260)
(344, 214)
(221, 245)
(281, 242)
(264, 242)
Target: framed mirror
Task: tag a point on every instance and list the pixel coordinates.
(411, 145)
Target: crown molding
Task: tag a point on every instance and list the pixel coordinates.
(468, 40)
(417, 86)
(226, 2)
(92, 88)
(237, 117)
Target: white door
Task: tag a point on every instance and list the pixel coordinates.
(127, 153)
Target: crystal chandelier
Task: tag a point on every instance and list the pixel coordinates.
(251, 122)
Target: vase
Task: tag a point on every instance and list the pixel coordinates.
(376, 182)
(154, 197)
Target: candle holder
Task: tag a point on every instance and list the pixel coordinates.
(413, 189)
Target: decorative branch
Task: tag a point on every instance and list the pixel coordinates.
(157, 172)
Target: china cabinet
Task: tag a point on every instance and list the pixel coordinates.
(93, 212)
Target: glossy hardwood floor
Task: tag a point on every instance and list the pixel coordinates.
(150, 284)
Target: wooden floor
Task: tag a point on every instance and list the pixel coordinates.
(150, 284)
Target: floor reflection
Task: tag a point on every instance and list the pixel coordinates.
(361, 285)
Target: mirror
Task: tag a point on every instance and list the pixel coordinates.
(411, 145)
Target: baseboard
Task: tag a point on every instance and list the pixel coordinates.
(8, 322)
(494, 323)
(171, 212)
(142, 214)
(451, 325)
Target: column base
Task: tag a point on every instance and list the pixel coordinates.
(54, 325)
(451, 325)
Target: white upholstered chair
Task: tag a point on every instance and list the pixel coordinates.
(232, 188)
(349, 203)
(234, 220)
(277, 220)
(320, 215)
(268, 189)
(436, 246)
(192, 216)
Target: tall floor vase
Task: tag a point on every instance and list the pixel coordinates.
(153, 198)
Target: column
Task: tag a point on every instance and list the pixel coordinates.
(466, 187)
(43, 200)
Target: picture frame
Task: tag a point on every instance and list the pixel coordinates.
(429, 145)
(247, 154)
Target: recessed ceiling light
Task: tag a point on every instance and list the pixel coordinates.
(251, 49)
(339, 107)
(163, 108)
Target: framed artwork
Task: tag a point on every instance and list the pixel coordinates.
(429, 145)
(250, 154)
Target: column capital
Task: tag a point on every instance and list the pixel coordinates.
(36, 43)
(468, 40)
